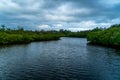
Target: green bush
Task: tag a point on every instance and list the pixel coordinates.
(108, 37)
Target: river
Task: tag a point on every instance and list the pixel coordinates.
(65, 59)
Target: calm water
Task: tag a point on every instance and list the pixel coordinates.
(66, 59)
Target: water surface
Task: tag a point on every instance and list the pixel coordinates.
(66, 59)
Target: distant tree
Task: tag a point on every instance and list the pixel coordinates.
(64, 31)
(61, 30)
(3, 27)
(42, 30)
(116, 25)
(98, 29)
(20, 28)
(8, 29)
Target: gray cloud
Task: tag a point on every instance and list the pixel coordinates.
(56, 14)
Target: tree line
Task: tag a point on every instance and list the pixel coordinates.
(18, 36)
(106, 37)
(102, 36)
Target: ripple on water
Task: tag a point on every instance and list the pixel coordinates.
(66, 59)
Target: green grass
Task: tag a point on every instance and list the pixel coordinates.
(21, 36)
(108, 37)
(101, 36)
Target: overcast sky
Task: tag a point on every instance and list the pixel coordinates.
(72, 15)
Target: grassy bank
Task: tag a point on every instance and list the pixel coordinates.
(108, 37)
(98, 36)
(18, 36)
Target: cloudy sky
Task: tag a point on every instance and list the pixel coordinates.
(72, 15)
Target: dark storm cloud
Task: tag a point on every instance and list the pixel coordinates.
(56, 14)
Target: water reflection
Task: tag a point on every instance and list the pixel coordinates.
(66, 59)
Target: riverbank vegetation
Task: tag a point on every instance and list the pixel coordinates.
(79, 34)
(99, 36)
(18, 36)
(106, 37)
